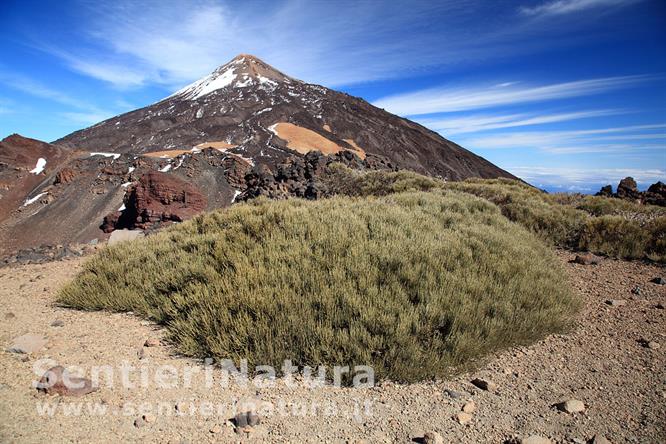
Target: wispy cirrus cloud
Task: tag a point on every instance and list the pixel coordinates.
(441, 100)
(27, 85)
(624, 140)
(580, 179)
(86, 113)
(480, 123)
(170, 43)
(562, 7)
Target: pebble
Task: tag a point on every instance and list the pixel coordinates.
(469, 407)
(58, 323)
(600, 439)
(27, 344)
(572, 406)
(453, 394)
(660, 306)
(432, 438)
(245, 419)
(139, 422)
(659, 280)
(587, 259)
(216, 429)
(57, 380)
(535, 439)
(653, 345)
(615, 302)
(484, 384)
(636, 290)
(184, 408)
(152, 342)
(149, 418)
(463, 418)
(10, 315)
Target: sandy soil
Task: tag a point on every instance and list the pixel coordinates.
(604, 362)
(303, 140)
(171, 154)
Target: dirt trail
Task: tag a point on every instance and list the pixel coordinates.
(605, 362)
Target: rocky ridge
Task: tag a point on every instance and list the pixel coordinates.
(628, 189)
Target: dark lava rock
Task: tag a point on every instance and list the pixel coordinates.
(627, 188)
(246, 419)
(606, 191)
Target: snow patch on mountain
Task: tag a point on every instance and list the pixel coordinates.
(207, 85)
(34, 199)
(114, 155)
(41, 163)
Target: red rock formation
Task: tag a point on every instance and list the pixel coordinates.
(65, 175)
(160, 197)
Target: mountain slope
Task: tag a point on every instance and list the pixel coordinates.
(251, 109)
(245, 130)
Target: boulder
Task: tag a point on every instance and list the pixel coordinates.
(484, 384)
(245, 419)
(65, 175)
(469, 407)
(605, 191)
(58, 380)
(463, 418)
(627, 188)
(124, 235)
(587, 259)
(572, 406)
(110, 221)
(432, 437)
(27, 344)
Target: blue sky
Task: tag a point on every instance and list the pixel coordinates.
(567, 94)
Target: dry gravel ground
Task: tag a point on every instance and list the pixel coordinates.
(605, 362)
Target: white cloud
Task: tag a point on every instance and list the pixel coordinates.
(579, 179)
(438, 100)
(562, 7)
(86, 118)
(577, 141)
(172, 43)
(36, 89)
(478, 123)
(86, 112)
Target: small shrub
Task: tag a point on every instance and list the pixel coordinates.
(609, 226)
(345, 181)
(410, 283)
(614, 236)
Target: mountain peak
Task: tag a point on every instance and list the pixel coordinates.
(242, 71)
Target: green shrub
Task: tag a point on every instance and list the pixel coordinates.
(614, 236)
(608, 226)
(557, 224)
(345, 181)
(410, 283)
(603, 206)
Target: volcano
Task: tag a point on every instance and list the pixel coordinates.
(245, 130)
(251, 109)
